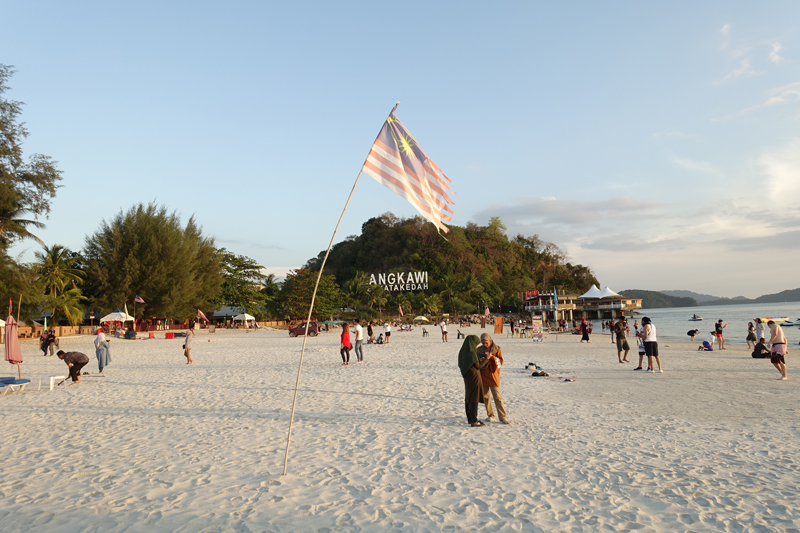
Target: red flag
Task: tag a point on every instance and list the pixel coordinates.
(138, 299)
(401, 309)
(202, 315)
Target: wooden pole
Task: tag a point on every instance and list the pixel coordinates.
(18, 306)
(308, 321)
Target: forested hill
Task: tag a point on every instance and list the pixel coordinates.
(467, 266)
(657, 300)
(790, 295)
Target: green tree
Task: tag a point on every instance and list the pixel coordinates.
(432, 304)
(242, 284)
(146, 251)
(299, 287)
(59, 276)
(26, 187)
(377, 296)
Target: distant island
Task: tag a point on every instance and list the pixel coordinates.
(790, 295)
(658, 300)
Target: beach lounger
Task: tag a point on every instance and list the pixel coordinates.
(13, 385)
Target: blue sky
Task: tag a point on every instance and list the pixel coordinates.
(658, 143)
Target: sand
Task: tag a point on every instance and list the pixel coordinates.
(156, 445)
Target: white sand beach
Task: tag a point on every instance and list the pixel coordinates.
(156, 445)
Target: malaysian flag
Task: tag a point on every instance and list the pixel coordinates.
(138, 299)
(397, 161)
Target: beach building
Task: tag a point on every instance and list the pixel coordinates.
(600, 304)
(593, 304)
(551, 305)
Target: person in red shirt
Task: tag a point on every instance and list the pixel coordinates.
(345, 349)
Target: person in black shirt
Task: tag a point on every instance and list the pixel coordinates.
(761, 351)
(75, 361)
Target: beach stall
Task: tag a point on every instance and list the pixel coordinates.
(244, 317)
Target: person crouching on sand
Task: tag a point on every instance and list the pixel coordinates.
(75, 361)
(491, 358)
(761, 351)
(778, 345)
(708, 343)
(345, 345)
(470, 367)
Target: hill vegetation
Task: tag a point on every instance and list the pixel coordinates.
(658, 300)
(790, 295)
(468, 268)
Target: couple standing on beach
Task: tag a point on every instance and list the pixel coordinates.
(480, 360)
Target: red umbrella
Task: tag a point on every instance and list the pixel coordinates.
(13, 351)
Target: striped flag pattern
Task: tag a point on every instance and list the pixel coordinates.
(397, 161)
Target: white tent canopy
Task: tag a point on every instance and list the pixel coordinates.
(244, 316)
(2, 323)
(605, 293)
(594, 292)
(117, 316)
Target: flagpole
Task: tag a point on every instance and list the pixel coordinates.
(308, 320)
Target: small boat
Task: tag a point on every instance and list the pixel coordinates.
(695, 318)
(795, 322)
(775, 319)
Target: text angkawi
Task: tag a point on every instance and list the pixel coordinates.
(401, 281)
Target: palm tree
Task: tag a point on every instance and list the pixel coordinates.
(68, 302)
(378, 296)
(57, 272)
(56, 269)
(432, 304)
(13, 226)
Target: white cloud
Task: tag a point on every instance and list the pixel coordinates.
(677, 134)
(745, 69)
(725, 30)
(781, 169)
(774, 55)
(786, 94)
(697, 166)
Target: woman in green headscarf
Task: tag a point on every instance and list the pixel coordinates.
(471, 371)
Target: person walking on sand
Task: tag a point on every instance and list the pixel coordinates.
(102, 351)
(651, 345)
(187, 346)
(54, 342)
(611, 327)
(443, 326)
(777, 344)
(345, 345)
(491, 358)
(359, 341)
(470, 367)
(75, 361)
(584, 331)
(622, 342)
(751, 335)
(759, 328)
(718, 327)
(370, 333)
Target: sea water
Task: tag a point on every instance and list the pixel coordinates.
(673, 322)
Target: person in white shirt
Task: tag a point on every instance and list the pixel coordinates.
(387, 331)
(359, 341)
(443, 325)
(101, 350)
(651, 345)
